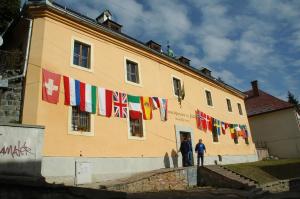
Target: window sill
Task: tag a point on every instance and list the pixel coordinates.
(82, 68)
(81, 133)
(133, 83)
(136, 138)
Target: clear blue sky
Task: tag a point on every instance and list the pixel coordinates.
(239, 40)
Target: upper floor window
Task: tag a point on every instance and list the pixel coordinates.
(176, 86)
(132, 71)
(82, 54)
(208, 98)
(229, 105)
(136, 127)
(240, 108)
(81, 121)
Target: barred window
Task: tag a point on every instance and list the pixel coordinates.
(136, 127)
(215, 135)
(81, 121)
(132, 72)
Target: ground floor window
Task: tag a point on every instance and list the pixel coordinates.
(236, 138)
(246, 141)
(136, 127)
(215, 135)
(81, 121)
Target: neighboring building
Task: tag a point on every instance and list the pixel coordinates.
(98, 53)
(274, 123)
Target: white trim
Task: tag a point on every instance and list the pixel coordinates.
(80, 133)
(227, 98)
(91, 69)
(205, 89)
(139, 70)
(176, 77)
(129, 136)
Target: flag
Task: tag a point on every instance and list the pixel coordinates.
(120, 104)
(163, 107)
(203, 121)
(223, 127)
(218, 126)
(105, 101)
(50, 86)
(146, 107)
(198, 120)
(134, 105)
(72, 91)
(87, 98)
(155, 103)
(210, 123)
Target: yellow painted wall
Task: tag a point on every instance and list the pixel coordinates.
(279, 130)
(51, 49)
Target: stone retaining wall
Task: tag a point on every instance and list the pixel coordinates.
(282, 185)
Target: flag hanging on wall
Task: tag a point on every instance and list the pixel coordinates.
(203, 117)
(120, 104)
(134, 105)
(72, 91)
(163, 107)
(146, 107)
(87, 98)
(198, 120)
(223, 127)
(105, 102)
(50, 86)
(155, 103)
(209, 123)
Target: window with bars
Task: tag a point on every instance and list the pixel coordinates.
(81, 121)
(132, 72)
(240, 108)
(176, 86)
(136, 127)
(229, 105)
(236, 139)
(82, 54)
(208, 98)
(215, 135)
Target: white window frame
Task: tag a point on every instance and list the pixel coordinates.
(180, 79)
(237, 104)
(131, 137)
(227, 98)
(139, 69)
(80, 133)
(91, 69)
(205, 89)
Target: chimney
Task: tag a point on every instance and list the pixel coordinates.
(206, 71)
(105, 18)
(255, 88)
(153, 45)
(184, 60)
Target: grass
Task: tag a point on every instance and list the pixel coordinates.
(268, 170)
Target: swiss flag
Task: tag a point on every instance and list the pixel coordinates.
(50, 87)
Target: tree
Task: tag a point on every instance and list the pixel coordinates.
(293, 100)
(9, 9)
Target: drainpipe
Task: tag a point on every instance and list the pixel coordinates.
(26, 53)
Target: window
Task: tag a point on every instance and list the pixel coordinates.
(136, 127)
(176, 86)
(215, 135)
(240, 108)
(208, 98)
(81, 121)
(82, 54)
(236, 138)
(229, 105)
(132, 72)
(246, 141)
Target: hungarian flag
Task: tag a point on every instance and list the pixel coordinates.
(155, 103)
(120, 104)
(163, 107)
(87, 98)
(72, 91)
(50, 86)
(105, 102)
(134, 105)
(146, 107)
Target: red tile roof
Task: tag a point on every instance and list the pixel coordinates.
(264, 103)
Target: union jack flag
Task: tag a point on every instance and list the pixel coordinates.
(120, 104)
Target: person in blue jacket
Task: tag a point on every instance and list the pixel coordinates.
(200, 149)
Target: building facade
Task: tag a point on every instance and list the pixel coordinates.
(98, 53)
(275, 124)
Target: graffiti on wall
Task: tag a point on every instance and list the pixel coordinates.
(17, 150)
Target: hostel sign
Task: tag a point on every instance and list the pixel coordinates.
(184, 117)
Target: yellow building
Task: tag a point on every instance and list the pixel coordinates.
(98, 53)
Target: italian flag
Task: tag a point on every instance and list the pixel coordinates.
(87, 98)
(134, 104)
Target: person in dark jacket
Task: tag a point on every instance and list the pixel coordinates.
(184, 149)
(200, 149)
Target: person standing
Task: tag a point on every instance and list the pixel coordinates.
(190, 152)
(184, 149)
(200, 149)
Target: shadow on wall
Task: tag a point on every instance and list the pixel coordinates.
(28, 168)
(174, 158)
